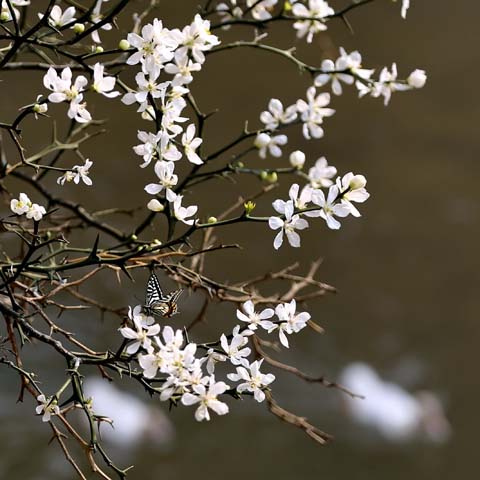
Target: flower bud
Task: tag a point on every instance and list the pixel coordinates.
(133, 237)
(156, 241)
(155, 206)
(123, 45)
(4, 16)
(417, 78)
(99, 49)
(287, 7)
(297, 159)
(263, 174)
(40, 107)
(249, 207)
(212, 220)
(272, 177)
(79, 28)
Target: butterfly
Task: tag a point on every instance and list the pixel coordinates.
(156, 302)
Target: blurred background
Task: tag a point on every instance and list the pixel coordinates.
(407, 271)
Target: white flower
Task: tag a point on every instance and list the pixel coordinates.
(343, 70)
(155, 206)
(212, 358)
(22, 205)
(321, 173)
(313, 112)
(103, 85)
(317, 9)
(167, 179)
(140, 335)
(206, 396)
(39, 108)
(264, 142)
(58, 19)
(152, 362)
(352, 189)
(405, 7)
(66, 177)
(262, 9)
(331, 206)
(171, 110)
(291, 322)
(276, 116)
(288, 226)
(142, 318)
(253, 380)
(155, 46)
(148, 148)
(197, 38)
(297, 159)
(330, 74)
(82, 172)
(78, 110)
(146, 86)
(48, 406)
(182, 69)
(156, 146)
(173, 338)
(96, 17)
(236, 350)
(62, 87)
(190, 144)
(179, 212)
(417, 78)
(387, 84)
(253, 318)
(36, 212)
(301, 199)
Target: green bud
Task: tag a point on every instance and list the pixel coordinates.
(123, 45)
(287, 6)
(40, 107)
(249, 207)
(133, 237)
(4, 16)
(239, 165)
(99, 49)
(212, 220)
(272, 177)
(263, 174)
(79, 28)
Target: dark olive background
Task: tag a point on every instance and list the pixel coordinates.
(407, 271)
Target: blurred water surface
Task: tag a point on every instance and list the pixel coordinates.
(407, 272)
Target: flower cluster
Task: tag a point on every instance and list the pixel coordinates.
(311, 201)
(185, 374)
(312, 18)
(24, 206)
(63, 90)
(78, 172)
(177, 53)
(348, 69)
(259, 9)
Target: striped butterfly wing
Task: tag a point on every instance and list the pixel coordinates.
(156, 302)
(172, 302)
(154, 291)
